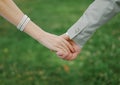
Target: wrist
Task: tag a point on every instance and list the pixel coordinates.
(34, 31)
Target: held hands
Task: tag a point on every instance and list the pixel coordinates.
(62, 45)
(77, 49)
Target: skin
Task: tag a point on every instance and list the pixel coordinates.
(76, 52)
(62, 45)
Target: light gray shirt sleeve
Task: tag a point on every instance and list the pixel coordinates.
(97, 14)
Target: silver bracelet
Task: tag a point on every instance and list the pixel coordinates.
(24, 21)
(24, 24)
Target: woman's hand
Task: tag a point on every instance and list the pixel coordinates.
(57, 44)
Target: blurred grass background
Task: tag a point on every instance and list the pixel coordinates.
(23, 61)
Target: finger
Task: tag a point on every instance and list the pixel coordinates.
(65, 45)
(77, 51)
(68, 40)
(75, 54)
(69, 46)
(75, 46)
(61, 53)
(68, 57)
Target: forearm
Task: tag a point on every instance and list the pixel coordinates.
(13, 14)
(10, 11)
(97, 14)
(34, 31)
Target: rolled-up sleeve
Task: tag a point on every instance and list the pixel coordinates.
(97, 14)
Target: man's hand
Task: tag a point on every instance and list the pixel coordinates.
(73, 55)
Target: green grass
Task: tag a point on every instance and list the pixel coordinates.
(23, 61)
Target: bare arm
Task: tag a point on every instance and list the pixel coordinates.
(13, 14)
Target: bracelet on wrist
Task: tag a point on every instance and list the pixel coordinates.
(22, 24)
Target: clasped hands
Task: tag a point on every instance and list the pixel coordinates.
(64, 47)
